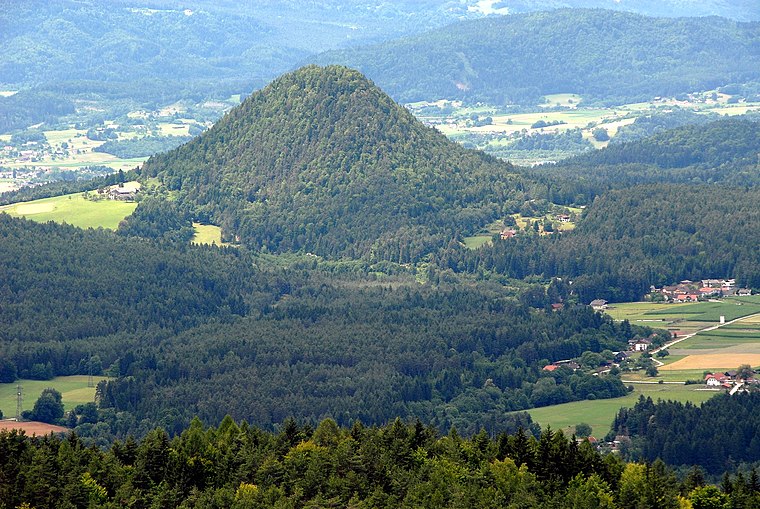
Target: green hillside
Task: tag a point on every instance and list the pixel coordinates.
(632, 238)
(73, 209)
(321, 160)
(722, 151)
(602, 55)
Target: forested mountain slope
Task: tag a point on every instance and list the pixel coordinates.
(60, 283)
(602, 55)
(717, 434)
(708, 145)
(449, 355)
(204, 331)
(723, 151)
(321, 160)
(632, 238)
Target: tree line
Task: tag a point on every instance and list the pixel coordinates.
(236, 465)
(718, 435)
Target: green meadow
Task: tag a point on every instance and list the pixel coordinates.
(207, 234)
(476, 241)
(73, 389)
(601, 412)
(73, 209)
(650, 313)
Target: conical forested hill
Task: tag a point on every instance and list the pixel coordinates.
(323, 161)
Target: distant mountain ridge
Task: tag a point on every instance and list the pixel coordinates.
(603, 55)
(322, 160)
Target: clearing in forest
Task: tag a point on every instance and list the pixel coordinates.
(75, 210)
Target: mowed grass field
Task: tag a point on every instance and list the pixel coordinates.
(476, 241)
(601, 412)
(73, 389)
(73, 209)
(207, 234)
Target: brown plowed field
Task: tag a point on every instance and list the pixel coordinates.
(32, 427)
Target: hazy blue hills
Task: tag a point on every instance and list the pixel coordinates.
(603, 55)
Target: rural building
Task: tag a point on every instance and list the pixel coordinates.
(563, 218)
(744, 292)
(550, 367)
(621, 356)
(124, 192)
(508, 234)
(599, 304)
(688, 297)
(641, 345)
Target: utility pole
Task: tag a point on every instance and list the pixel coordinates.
(18, 401)
(89, 372)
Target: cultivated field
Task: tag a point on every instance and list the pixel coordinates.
(32, 428)
(720, 349)
(476, 241)
(73, 209)
(686, 318)
(73, 389)
(569, 112)
(711, 361)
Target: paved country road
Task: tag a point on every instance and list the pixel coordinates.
(687, 336)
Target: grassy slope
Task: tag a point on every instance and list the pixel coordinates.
(73, 389)
(74, 210)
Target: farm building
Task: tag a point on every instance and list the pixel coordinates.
(124, 192)
(640, 345)
(598, 304)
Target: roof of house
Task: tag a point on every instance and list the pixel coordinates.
(598, 302)
(550, 367)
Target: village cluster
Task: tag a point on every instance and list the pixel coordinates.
(731, 380)
(693, 291)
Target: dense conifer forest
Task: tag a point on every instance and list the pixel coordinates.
(605, 56)
(718, 434)
(633, 238)
(205, 331)
(397, 465)
(722, 151)
(350, 302)
(323, 161)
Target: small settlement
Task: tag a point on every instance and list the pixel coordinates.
(730, 380)
(693, 291)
